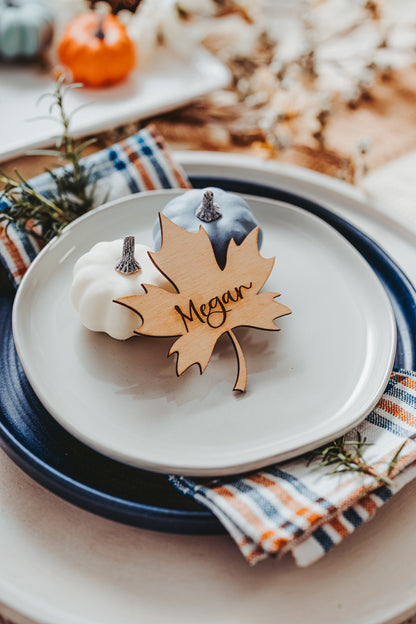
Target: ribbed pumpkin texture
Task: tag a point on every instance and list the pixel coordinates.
(26, 28)
(97, 50)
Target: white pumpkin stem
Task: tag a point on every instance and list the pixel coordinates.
(208, 211)
(128, 263)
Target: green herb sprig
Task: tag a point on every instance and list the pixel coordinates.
(346, 455)
(71, 194)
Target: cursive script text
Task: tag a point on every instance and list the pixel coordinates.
(215, 311)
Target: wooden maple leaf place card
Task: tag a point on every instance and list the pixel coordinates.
(207, 301)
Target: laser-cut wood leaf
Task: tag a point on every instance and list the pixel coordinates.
(209, 301)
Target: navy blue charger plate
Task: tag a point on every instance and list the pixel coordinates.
(70, 469)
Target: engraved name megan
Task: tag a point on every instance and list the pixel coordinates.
(214, 312)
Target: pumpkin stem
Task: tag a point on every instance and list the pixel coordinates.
(99, 33)
(128, 263)
(208, 211)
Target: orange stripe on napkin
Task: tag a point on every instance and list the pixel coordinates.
(398, 411)
(240, 506)
(14, 253)
(406, 381)
(136, 161)
(180, 179)
(278, 544)
(339, 527)
(283, 495)
(368, 504)
(409, 382)
(255, 554)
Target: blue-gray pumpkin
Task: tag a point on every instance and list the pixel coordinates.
(26, 28)
(223, 215)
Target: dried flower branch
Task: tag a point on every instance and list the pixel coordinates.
(346, 455)
(290, 86)
(72, 192)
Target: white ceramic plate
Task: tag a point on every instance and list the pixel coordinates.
(169, 81)
(307, 384)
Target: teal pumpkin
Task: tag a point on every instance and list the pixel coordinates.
(26, 28)
(223, 215)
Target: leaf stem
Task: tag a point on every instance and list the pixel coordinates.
(241, 381)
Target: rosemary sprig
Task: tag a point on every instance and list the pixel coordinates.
(346, 455)
(71, 193)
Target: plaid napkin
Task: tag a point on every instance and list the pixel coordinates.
(286, 507)
(139, 163)
(295, 507)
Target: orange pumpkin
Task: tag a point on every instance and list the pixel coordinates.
(97, 50)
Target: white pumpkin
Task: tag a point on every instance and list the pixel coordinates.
(97, 282)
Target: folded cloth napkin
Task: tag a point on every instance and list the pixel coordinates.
(139, 163)
(300, 507)
(289, 506)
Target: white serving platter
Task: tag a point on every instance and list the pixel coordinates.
(168, 82)
(307, 384)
